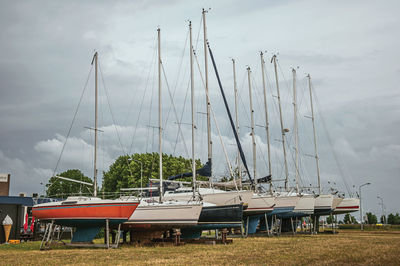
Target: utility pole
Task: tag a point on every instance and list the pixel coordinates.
(361, 216)
(383, 209)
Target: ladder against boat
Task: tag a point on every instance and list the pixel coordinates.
(82, 237)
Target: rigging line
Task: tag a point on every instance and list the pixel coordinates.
(230, 120)
(283, 75)
(134, 95)
(113, 118)
(262, 156)
(331, 144)
(198, 33)
(173, 107)
(144, 95)
(183, 111)
(72, 123)
(285, 107)
(177, 78)
(111, 112)
(216, 125)
(150, 112)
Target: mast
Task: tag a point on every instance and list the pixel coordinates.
(266, 120)
(230, 118)
(192, 102)
(283, 131)
(95, 59)
(159, 114)
(315, 137)
(253, 137)
(296, 132)
(209, 141)
(237, 121)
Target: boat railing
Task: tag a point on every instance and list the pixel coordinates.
(128, 195)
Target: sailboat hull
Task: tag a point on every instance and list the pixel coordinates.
(347, 205)
(284, 206)
(158, 216)
(215, 217)
(90, 214)
(260, 204)
(305, 206)
(215, 196)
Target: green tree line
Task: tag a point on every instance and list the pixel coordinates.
(128, 171)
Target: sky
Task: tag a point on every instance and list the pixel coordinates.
(350, 49)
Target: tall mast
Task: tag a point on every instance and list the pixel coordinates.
(266, 119)
(315, 137)
(253, 137)
(209, 141)
(282, 129)
(239, 166)
(159, 114)
(95, 59)
(296, 133)
(192, 101)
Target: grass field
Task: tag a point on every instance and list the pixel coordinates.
(347, 247)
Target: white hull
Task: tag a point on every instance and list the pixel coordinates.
(305, 205)
(215, 196)
(259, 204)
(167, 214)
(286, 201)
(347, 205)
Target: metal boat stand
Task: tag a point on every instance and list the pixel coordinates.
(49, 234)
(106, 244)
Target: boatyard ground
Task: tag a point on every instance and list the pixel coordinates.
(347, 247)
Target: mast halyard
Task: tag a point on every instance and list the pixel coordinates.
(253, 137)
(160, 115)
(95, 61)
(239, 167)
(192, 109)
(296, 133)
(315, 136)
(209, 141)
(283, 131)
(266, 121)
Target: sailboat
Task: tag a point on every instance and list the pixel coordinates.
(164, 213)
(326, 204)
(87, 214)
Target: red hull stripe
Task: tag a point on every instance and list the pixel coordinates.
(348, 207)
(94, 211)
(81, 206)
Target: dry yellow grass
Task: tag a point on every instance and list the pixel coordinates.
(348, 247)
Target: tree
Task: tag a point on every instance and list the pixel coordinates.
(348, 219)
(62, 188)
(393, 219)
(330, 219)
(371, 218)
(125, 171)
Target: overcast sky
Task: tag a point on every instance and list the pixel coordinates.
(350, 48)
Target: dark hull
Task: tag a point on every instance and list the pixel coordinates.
(221, 214)
(215, 217)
